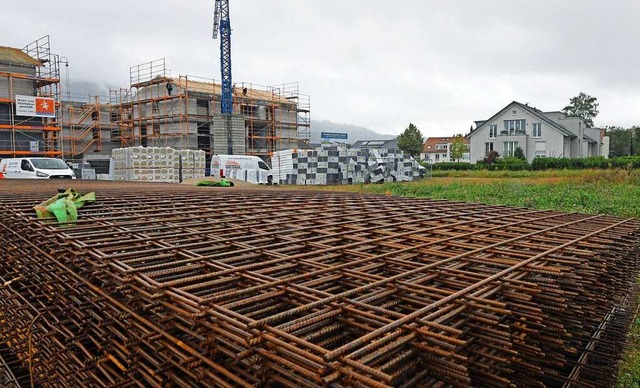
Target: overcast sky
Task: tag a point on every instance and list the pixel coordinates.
(379, 64)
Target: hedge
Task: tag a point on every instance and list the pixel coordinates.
(509, 163)
(455, 166)
(585, 163)
(515, 164)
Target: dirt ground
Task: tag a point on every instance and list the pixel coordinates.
(50, 187)
(236, 182)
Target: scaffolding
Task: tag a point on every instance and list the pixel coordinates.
(159, 109)
(84, 124)
(33, 71)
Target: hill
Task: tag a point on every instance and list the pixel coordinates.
(354, 132)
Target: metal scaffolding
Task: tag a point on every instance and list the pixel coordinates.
(161, 110)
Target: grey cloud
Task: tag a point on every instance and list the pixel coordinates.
(441, 64)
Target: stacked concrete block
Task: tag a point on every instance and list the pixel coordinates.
(148, 164)
(340, 164)
(192, 163)
(229, 135)
(88, 174)
(282, 166)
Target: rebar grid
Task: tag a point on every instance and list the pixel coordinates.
(232, 288)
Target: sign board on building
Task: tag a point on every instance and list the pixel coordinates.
(35, 106)
(334, 136)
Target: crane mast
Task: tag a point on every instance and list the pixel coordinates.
(222, 25)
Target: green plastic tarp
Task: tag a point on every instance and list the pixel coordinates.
(64, 206)
(222, 183)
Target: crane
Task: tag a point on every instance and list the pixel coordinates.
(222, 24)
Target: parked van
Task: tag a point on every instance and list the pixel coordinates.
(243, 167)
(35, 168)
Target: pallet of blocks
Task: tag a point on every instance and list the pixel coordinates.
(146, 164)
(339, 164)
(192, 163)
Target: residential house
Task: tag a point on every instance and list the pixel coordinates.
(539, 134)
(438, 150)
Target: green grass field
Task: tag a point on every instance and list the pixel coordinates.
(610, 192)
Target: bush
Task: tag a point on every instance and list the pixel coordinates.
(519, 154)
(598, 162)
(625, 162)
(510, 163)
(491, 157)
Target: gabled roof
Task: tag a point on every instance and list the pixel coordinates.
(535, 112)
(429, 146)
(17, 56)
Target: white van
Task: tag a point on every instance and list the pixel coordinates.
(243, 167)
(35, 168)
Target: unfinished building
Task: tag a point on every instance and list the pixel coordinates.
(161, 110)
(156, 109)
(29, 101)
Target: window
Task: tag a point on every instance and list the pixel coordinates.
(541, 149)
(155, 107)
(536, 130)
(441, 146)
(493, 131)
(515, 127)
(488, 147)
(508, 148)
(437, 157)
(25, 165)
(514, 112)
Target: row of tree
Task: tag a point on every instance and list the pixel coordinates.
(622, 141)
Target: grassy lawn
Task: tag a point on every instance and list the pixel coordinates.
(629, 373)
(610, 192)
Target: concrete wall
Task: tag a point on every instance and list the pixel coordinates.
(25, 87)
(554, 142)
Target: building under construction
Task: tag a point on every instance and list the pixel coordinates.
(30, 101)
(161, 110)
(156, 109)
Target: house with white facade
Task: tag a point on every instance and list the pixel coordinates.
(438, 150)
(538, 133)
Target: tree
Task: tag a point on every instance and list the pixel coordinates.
(458, 148)
(519, 153)
(411, 140)
(623, 141)
(583, 106)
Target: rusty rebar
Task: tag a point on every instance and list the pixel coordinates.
(197, 287)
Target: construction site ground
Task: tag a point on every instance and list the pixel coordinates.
(166, 284)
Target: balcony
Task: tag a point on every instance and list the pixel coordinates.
(517, 132)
